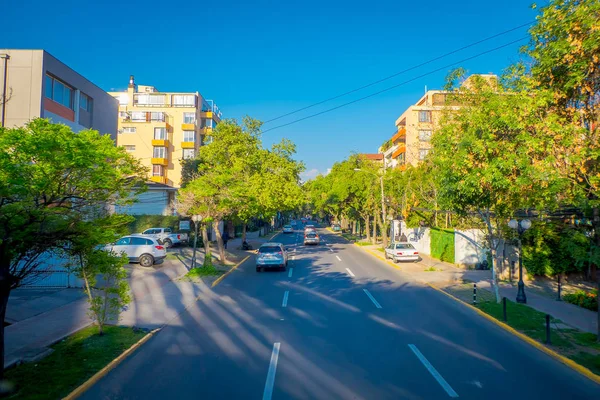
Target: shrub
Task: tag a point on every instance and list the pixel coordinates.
(583, 299)
(143, 222)
(442, 244)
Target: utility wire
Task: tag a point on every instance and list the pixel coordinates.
(401, 72)
(395, 86)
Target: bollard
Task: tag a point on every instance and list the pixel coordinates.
(559, 288)
(475, 294)
(548, 341)
(504, 308)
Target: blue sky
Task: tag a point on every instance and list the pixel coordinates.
(266, 58)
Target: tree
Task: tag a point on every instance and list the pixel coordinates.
(51, 181)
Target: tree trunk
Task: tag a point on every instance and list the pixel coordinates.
(384, 238)
(207, 254)
(231, 229)
(243, 232)
(374, 237)
(488, 224)
(4, 294)
(367, 228)
(220, 245)
(596, 224)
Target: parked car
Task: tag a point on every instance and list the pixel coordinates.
(336, 228)
(142, 249)
(312, 237)
(401, 252)
(288, 229)
(271, 255)
(166, 236)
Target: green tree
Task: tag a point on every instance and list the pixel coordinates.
(52, 180)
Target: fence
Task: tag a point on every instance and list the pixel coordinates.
(52, 273)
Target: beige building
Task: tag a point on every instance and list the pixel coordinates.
(163, 128)
(34, 84)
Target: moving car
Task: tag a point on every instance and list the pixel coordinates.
(165, 236)
(308, 228)
(288, 229)
(311, 237)
(144, 250)
(336, 228)
(401, 252)
(271, 255)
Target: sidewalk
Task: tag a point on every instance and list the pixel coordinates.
(447, 274)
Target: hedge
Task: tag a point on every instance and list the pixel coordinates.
(143, 222)
(442, 244)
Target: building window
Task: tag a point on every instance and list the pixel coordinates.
(425, 135)
(423, 153)
(150, 99)
(188, 153)
(157, 170)
(157, 116)
(59, 92)
(184, 100)
(424, 116)
(160, 133)
(129, 147)
(85, 102)
(160, 152)
(138, 116)
(189, 136)
(123, 99)
(189, 118)
(129, 129)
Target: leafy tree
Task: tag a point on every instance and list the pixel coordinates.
(52, 181)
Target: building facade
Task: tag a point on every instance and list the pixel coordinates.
(34, 84)
(163, 128)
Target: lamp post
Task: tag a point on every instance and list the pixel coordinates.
(197, 219)
(520, 227)
(383, 214)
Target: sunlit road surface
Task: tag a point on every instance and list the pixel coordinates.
(338, 324)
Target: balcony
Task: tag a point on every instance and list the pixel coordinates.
(159, 179)
(160, 161)
(188, 145)
(160, 142)
(401, 149)
(401, 133)
(188, 127)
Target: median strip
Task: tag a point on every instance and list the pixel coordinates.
(433, 371)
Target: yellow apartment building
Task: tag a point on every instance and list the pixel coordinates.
(163, 128)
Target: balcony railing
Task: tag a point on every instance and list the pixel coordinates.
(143, 116)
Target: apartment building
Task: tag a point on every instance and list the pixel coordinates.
(34, 84)
(164, 128)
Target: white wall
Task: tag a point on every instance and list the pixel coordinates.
(469, 247)
(419, 237)
(152, 202)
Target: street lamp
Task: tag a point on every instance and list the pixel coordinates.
(520, 227)
(383, 214)
(197, 219)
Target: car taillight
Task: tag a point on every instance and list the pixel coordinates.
(178, 236)
(416, 252)
(159, 247)
(280, 253)
(399, 253)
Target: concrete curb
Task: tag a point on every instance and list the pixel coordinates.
(114, 363)
(219, 279)
(390, 263)
(566, 361)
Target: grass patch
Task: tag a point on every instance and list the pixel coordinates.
(581, 347)
(350, 237)
(381, 249)
(172, 256)
(199, 272)
(74, 360)
(431, 269)
(364, 243)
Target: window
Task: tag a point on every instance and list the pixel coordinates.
(150, 99)
(129, 129)
(129, 147)
(123, 241)
(160, 152)
(423, 153)
(424, 116)
(189, 136)
(157, 116)
(138, 241)
(138, 116)
(157, 170)
(184, 100)
(59, 92)
(425, 135)
(160, 133)
(85, 102)
(123, 99)
(189, 118)
(188, 153)
(167, 230)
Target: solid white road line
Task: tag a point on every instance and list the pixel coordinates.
(349, 272)
(372, 298)
(285, 298)
(268, 393)
(291, 272)
(338, 257)
(433, 371)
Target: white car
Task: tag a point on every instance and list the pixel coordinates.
(288, 229)
(145, 250)
(401, 252)
(165, 236)
(271, 255)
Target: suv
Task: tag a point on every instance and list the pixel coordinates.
(271, 255)
(311, 237)
(165, 236)
(145, 250)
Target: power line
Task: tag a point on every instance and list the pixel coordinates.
(395, 86)
(400, 73)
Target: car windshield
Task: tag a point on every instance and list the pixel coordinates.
(311, 235)
(404, 246)
(269, 249)
(287, 226)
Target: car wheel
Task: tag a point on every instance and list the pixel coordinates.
(282, 268)
(168, 243)
(396, 260)
(257, 269)
(146, 260)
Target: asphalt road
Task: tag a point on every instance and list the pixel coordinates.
(338, 324)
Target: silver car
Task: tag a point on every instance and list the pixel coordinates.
(271, 255)
(402, 252)
(145, 250)
(311, 237)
